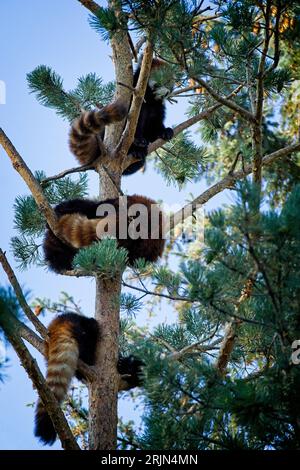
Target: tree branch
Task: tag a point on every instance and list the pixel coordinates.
(198, 347)
(232, 327)
(92, 6)
(20, 296)
(228, 183)
(35, 188)
(77, 169)
(158, 294)
(257, 125)
(137, 101)
(225, 101)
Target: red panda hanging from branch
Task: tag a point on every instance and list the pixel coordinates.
(90, 126)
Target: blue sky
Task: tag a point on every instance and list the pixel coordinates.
(55, 33)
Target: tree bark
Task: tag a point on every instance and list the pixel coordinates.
(103, 392)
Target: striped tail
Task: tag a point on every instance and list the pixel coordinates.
(89, 127)
(63, 354)
(78, 230)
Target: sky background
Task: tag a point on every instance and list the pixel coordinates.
(55, 33)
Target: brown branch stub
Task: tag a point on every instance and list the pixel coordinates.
(227, 345)
(232, 327)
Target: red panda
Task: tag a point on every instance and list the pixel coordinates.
(73, 337)
(77, 224)
(90, 126)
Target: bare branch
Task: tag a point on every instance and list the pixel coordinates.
(131, 45)
(198, 347)
(20, 296)
(228, 183)
(137, 101)
(158, 294)
(140, 44)
(276, 38)
(244, 113)
(183, 90)
(31, 337)
(77, 169)
(35, 188)
(131, 88)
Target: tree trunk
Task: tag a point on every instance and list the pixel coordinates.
(103, 392)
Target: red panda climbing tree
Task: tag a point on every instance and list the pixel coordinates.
(188, 41)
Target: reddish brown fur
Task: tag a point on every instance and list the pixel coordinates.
(77, 229)
(77, 225)
(89, 126)
(71, 337)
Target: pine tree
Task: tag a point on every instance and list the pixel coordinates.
(222, 376)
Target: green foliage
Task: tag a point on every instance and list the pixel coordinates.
(9, 310)
(47, 85)
(25, 251)
(29, 221)
(104, 258)
(180, 160)
(188, 405)
(91, 91)
(105, 22)
(9, 304)
(130, 304)
(65, 304)
(67, 188)
(28, 218)
(164, 277)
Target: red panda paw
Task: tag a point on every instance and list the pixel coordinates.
(167, 133)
